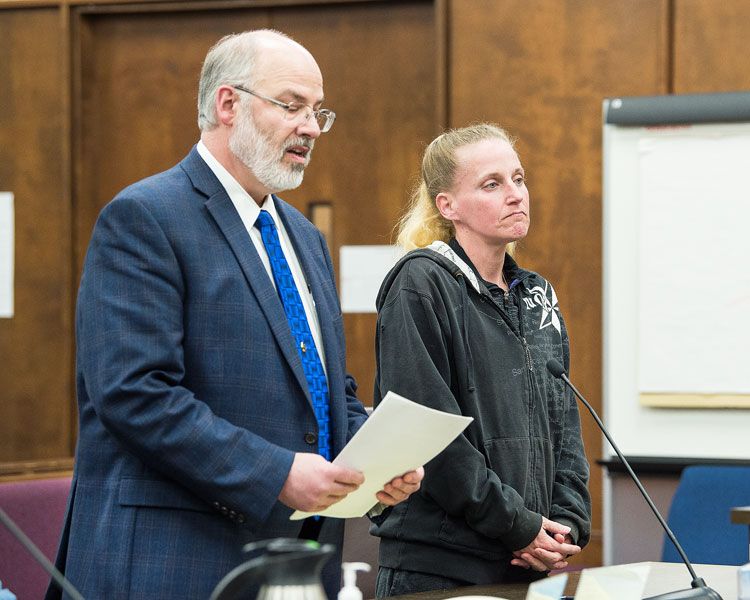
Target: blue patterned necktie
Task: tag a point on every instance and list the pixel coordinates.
(295, 314)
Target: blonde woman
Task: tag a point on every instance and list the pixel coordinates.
(464, 329)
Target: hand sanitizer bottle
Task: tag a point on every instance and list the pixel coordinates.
(350, 591)
(6, 594)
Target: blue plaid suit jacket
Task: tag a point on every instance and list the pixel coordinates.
(192, 398)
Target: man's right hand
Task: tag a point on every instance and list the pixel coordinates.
(314, 484)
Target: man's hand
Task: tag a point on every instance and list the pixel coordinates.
(400, 488)
(314, 484)
(548, 550)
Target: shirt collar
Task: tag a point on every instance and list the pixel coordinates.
(236, 192)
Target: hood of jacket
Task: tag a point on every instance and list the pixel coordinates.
(444, 255)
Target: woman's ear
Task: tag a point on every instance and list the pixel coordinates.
(445, 203)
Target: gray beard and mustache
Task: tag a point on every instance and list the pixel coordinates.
(257, 153)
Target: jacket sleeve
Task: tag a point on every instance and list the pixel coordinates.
(571, 501)
(130, 354)
(415, 360)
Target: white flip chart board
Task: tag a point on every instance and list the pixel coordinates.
(677, 275)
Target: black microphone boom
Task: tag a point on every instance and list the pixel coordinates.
(57, 577)
(699, 590)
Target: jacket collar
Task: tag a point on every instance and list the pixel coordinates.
(513, 273)
(452, 255)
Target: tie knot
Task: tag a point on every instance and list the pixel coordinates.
(264, 220)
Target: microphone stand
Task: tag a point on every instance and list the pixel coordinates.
(58, 577)
(699, 590)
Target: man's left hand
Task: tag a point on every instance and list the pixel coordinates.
(400, 488)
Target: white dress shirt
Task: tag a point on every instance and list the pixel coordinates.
(249, 210)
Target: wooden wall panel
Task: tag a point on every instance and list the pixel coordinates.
(710, 50)
(35, 376)
(542, 69)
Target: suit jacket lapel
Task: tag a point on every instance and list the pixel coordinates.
(222, 210)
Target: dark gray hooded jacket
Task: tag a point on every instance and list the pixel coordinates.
(445, 340)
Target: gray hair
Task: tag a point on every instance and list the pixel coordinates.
(230, 61)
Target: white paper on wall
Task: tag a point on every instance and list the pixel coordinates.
(361, 271)
(7, 244)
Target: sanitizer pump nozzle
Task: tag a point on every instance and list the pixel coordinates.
(350, 591)
(8, 595)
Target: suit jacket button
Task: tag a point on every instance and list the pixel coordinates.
(240, 518)
(224, 510)
(216, 505)
(311, 438)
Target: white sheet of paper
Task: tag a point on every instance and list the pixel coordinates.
(6, 254)
(619, 582)
(549, 588)
(399, 436)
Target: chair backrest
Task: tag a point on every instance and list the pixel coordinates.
(700, 515)
(38, 508)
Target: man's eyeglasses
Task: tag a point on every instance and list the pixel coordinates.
(296, 111)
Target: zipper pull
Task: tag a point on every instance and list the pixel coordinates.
(529, 362)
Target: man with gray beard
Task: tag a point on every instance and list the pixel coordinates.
(212, 384)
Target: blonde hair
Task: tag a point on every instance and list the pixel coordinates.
(422, 223)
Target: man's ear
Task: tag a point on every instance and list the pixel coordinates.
(445, 205)
(227, 102)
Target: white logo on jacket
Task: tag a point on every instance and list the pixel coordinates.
(544, 297)
(547, 299)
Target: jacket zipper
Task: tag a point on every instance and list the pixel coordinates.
(532, 464)
(529, 362)
(520, 335)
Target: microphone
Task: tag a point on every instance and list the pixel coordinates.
(699, 590)
(58, 577)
